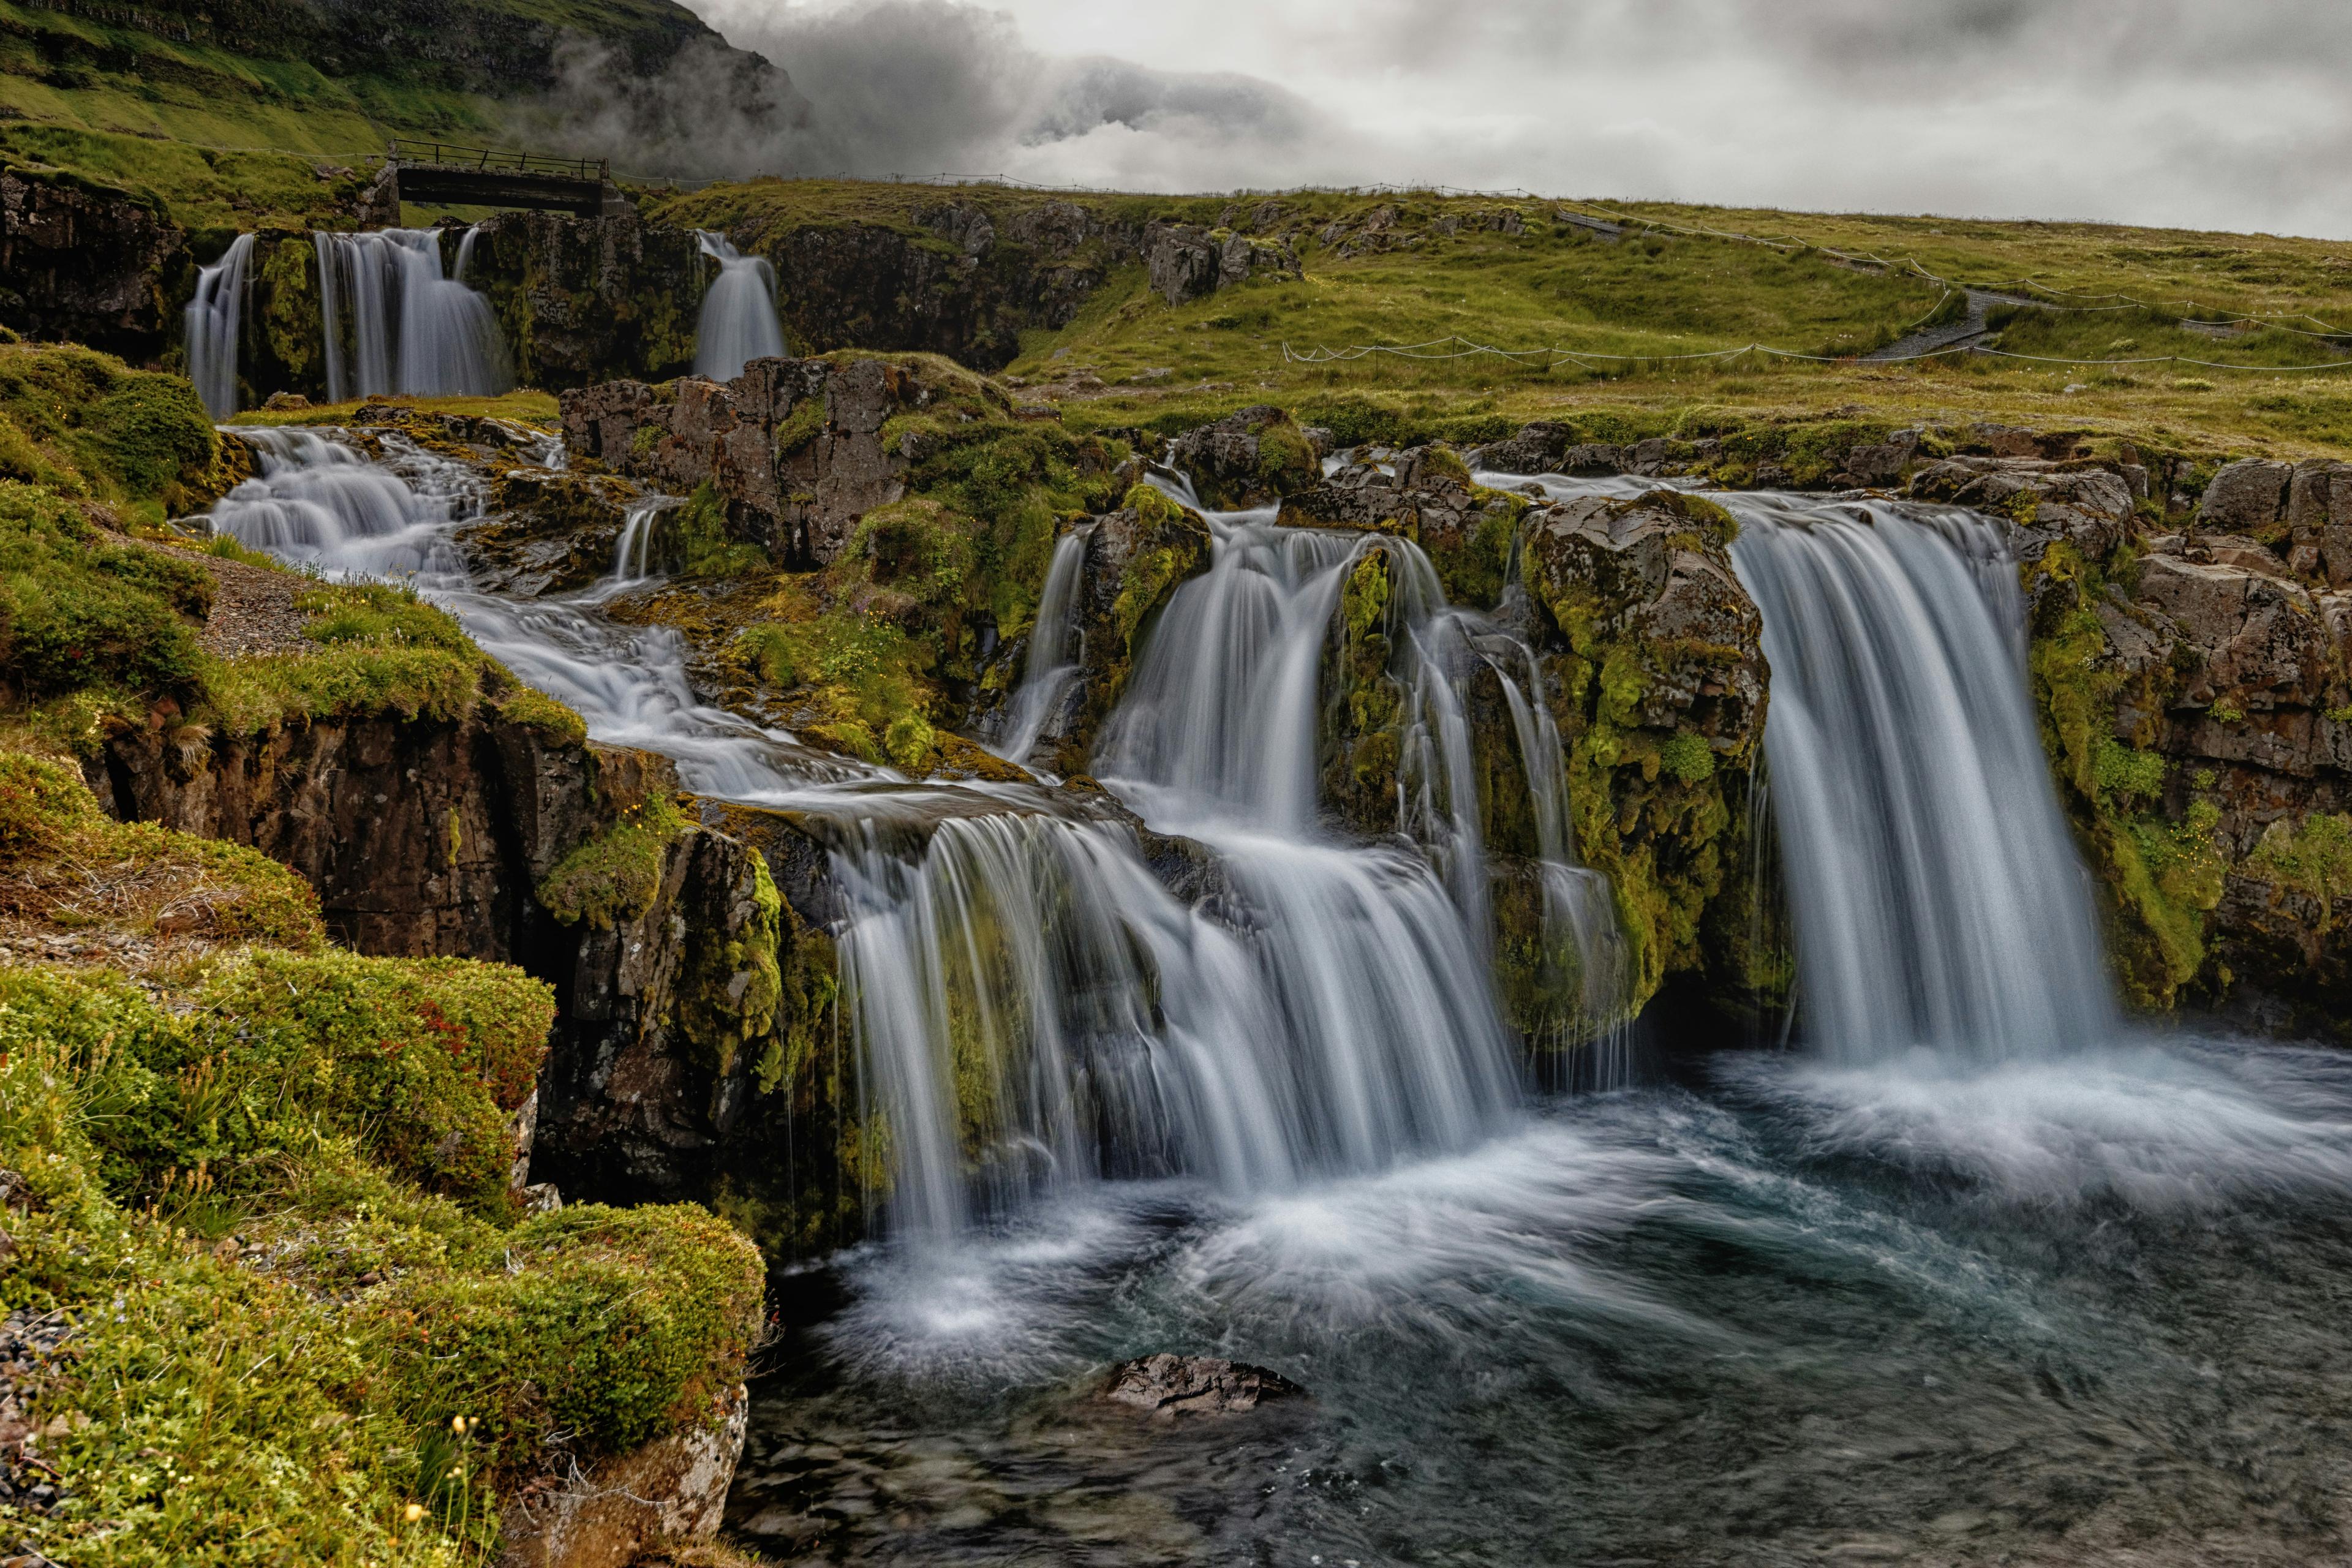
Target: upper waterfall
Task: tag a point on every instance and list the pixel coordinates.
(411, 329)
(737, 323)
(214, 317)
(1938, 898)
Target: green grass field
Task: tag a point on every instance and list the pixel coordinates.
(1697, 281)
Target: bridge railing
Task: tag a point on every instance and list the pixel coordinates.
(492, 160)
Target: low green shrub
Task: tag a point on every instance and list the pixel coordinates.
(78, 609)
(616, 1325)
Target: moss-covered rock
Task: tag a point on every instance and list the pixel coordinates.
(1136, 557)
(381, 1367)
(1250, 458)
(1659, 695)
(614, 1325)
(589, 299)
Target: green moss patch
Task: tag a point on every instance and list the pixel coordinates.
(617, 874)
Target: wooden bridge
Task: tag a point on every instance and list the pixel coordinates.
(441, 173)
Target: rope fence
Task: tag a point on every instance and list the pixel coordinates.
(1437, 349)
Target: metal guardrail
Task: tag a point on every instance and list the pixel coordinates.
(491, 159)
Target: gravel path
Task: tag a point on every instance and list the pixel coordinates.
(253, 611)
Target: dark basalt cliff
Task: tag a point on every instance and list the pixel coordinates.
(83, 263)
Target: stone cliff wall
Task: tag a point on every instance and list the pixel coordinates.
(83, 263)
(687, 1006)
(2191, 661)
(965, 278)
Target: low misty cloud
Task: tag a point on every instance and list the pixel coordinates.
(2215, 113)
(904, 87)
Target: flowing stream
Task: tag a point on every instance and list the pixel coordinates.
(1974, 1276)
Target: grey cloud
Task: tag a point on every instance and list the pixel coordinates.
(892, 86)
(2220, 113)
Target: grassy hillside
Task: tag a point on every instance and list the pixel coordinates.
(1680, 281)
(308, 77)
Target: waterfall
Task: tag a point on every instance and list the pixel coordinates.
(1033, 1007)
(412, 330)
(212, 319)
(737, 323)
(633, 553)
(1051, 671)
(1937, 898)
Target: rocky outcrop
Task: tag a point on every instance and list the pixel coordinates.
(702, 1060)
(2302, 510)
(794, 448)
(587, 299)
(421, 836)
(2190, 684)
(85, 263)
(670, 1491)
(1657, 680)
(1171, 1386)
(548, 531)
(684, 1047)
(1424, 494)
(1251, 458)
(1186, 262)
(958, 280)
(1136, 557)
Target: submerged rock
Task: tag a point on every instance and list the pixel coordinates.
(1171, 1386)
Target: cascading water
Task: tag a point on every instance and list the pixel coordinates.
(1050, 672)
(1937, 895)
(2084, 1308)
(411, 329)
(737, 323)
(1221, 729)
(213, 320)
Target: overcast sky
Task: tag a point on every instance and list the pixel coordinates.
(2213, 114)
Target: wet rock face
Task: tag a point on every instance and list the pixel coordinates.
(549, 530)
(1171, 1386)
(2192, 687)
(1656, 676)
(585, 299)
(87, 265)
(1136, 558)
(1425, 495)
(1641, 576)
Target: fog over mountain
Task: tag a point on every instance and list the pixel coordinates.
(2219, 114)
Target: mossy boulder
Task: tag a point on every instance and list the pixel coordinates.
(1424, 494)
(613, 1325)
(1659, 691)
(1136, 557)
(1251, 458)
